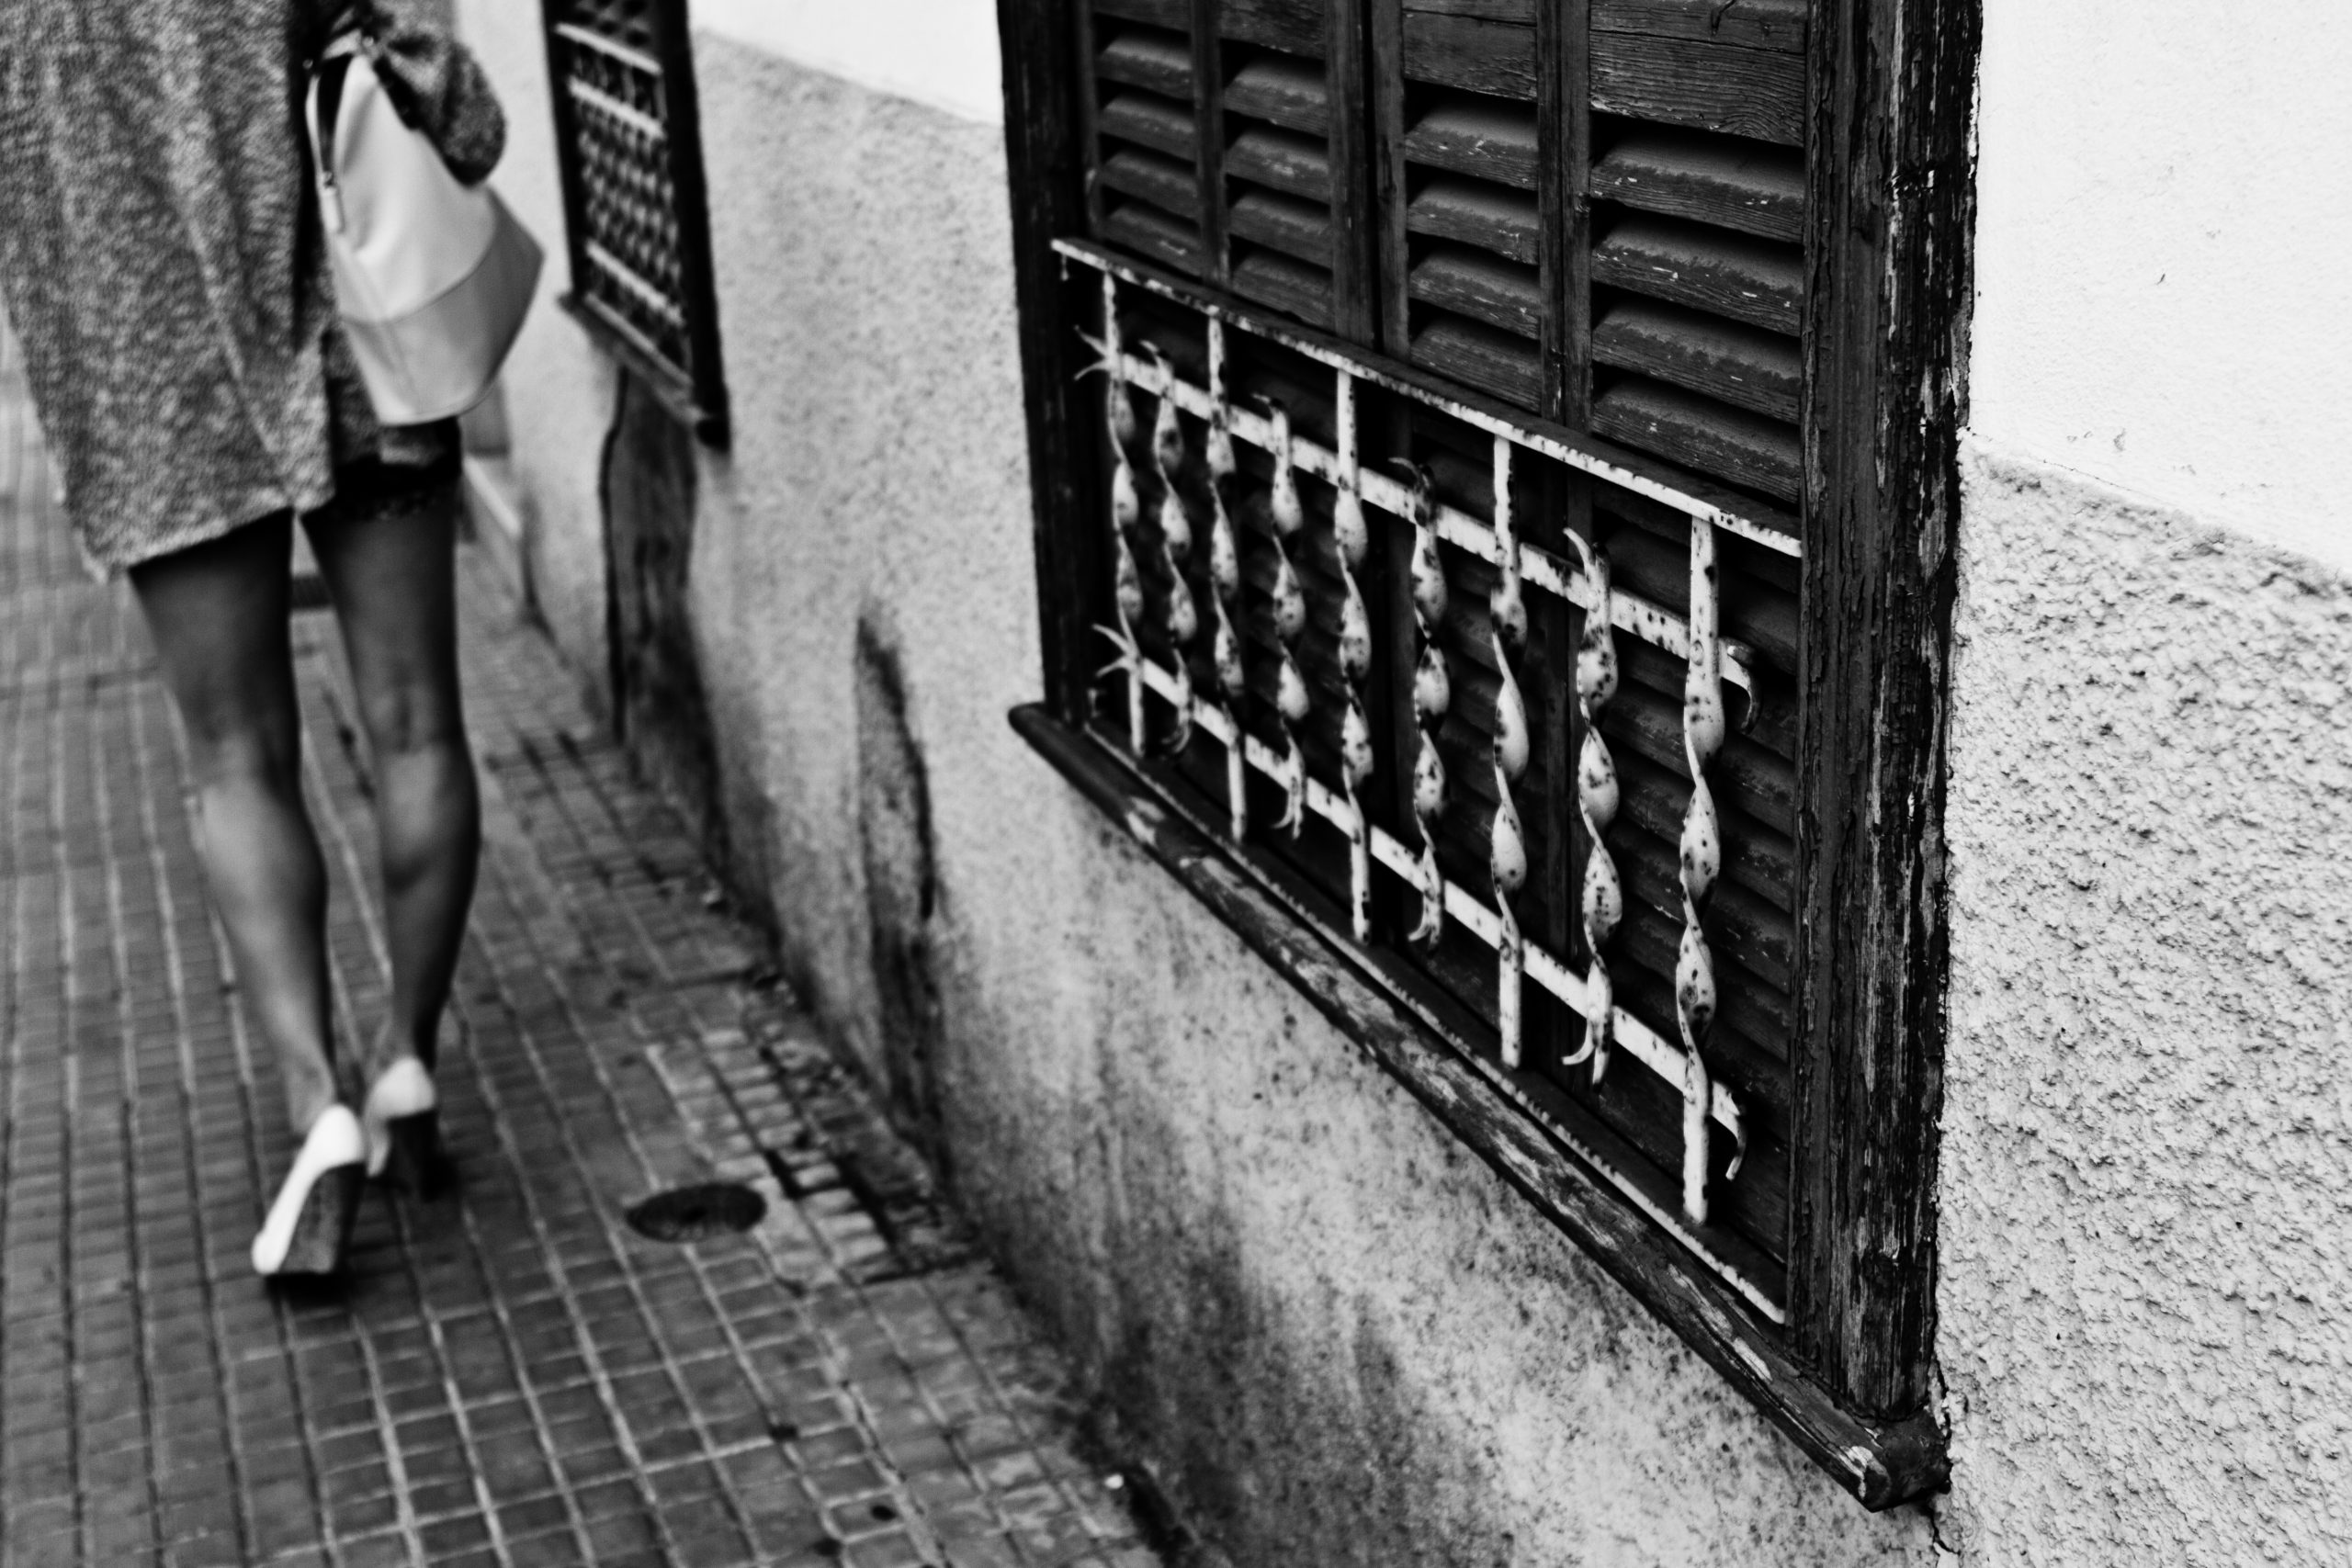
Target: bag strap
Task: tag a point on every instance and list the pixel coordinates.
(327, 79)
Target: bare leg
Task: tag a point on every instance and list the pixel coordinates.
(218, 612)
(391, 574)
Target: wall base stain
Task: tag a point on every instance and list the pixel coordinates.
(658, 701)
(894, 833)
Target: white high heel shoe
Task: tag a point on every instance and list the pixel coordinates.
(403, 1128)
(308, 1224)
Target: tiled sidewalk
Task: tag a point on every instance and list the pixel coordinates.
(514, 1375)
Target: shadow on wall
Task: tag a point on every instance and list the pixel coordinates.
(901, 886)
(660, 705)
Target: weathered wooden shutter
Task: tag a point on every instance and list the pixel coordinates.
(1698, 262)
(1228, 144)
(1471, 270)
(1144, 186)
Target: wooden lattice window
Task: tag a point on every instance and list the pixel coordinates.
(1513, 501)
(628, 142)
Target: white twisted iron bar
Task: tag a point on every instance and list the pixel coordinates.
(1507, 854)
(1352, 539)
(1601, 899)
(1183, 620)
(1127, 508)
(1703, 862)
(1710, 658)
(1225, 581)
(1288, 601)
(1432, 694)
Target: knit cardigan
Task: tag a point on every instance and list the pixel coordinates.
(162, 261)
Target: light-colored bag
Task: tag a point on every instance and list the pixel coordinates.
(432, 278)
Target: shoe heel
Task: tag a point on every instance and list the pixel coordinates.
(414, 1161)
(322, 1234)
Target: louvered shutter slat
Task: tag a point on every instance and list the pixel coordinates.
(1286, 284)
(1735, 275)
(1494, 217)
(1737, 364)
(1283, 92)
(1747, 448)
(1156, 61)
(1487, 358)
(1733, 183)
(1161, 181)
(1495, 142)
(1483, 286)
(1281, 159)
(1154, 233)
(1150, 122)
(1300, 229)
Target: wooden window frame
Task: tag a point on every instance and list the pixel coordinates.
(696, 394)
(1891, 202)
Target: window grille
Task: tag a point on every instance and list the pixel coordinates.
(1639, 978)
(630, 151)
(1526, 565)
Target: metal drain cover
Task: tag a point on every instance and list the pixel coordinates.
(697, 1213)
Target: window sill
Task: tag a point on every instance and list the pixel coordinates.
(673, 390)
(1880, 1465)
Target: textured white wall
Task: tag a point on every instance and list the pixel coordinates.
(2164, 214)
(940, 52)
(2146, 1302)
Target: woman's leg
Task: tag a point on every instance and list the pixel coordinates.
(218, 614)
(391, 570)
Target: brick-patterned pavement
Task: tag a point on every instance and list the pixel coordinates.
(513, 1375)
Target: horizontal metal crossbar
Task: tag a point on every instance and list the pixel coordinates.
(1630, 613)
(588, 38)
(626, 277)
(1559, 445)
(596, 97)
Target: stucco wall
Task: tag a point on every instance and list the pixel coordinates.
(1343, 1340)
(940, 52)
(2149, 1110)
